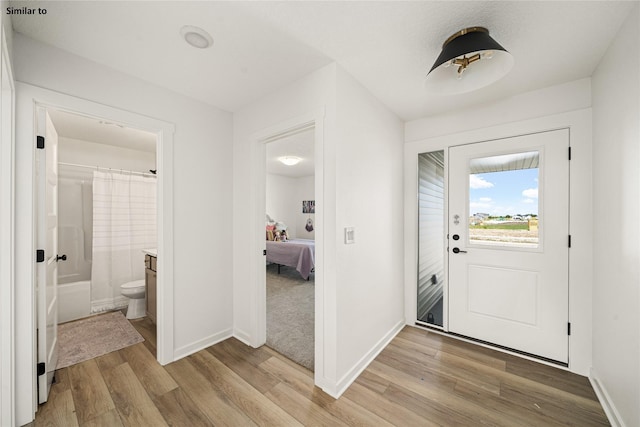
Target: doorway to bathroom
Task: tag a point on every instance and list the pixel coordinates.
(29, 101)
(101, 193)
(106, 211)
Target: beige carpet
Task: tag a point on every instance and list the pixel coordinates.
(290, 314)
(94, 336)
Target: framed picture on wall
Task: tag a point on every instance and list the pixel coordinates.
(308, 206)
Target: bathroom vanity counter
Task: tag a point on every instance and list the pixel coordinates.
(150, 263)
(152, 252)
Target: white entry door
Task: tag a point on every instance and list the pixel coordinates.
(47, 239)
(509, 243)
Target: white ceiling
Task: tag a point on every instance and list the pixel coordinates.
(387, 45)
(298, 145)
(90, 129)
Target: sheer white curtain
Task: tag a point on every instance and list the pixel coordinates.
(124, 223)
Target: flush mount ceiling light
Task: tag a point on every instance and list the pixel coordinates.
(290, 160)
(470, 59)
(196, 37)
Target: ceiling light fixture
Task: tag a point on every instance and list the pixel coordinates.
(196, 37)
(290, 160)
(470, 59)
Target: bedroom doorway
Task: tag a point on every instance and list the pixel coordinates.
(290, 229)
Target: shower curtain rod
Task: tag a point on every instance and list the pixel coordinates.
(106, 168)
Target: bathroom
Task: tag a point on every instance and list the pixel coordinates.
(119, 160)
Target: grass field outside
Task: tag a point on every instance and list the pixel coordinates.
(507, 233)
(519, 225)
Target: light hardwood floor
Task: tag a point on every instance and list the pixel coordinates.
(420, 379)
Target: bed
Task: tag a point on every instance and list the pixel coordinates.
(295, 253)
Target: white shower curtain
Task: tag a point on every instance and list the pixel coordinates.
(124, 223)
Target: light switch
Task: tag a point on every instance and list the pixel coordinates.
(349, 235)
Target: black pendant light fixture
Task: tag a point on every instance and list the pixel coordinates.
(470, 59)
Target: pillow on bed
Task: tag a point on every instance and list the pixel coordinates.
(271, 231)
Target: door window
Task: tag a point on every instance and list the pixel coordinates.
(503, 200)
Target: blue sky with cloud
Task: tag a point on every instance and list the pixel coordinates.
(504, 193)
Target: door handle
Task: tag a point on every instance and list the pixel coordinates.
(63, 258)
(458, 251)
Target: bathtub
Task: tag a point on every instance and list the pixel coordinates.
(74, 300)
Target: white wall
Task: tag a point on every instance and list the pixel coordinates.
(359, 290)
(202, 307)
(557, 99)
(311, 98)
(94, 154)
(561, 106)
(616, 177)
(369, 278)
(305, 191)
(7, 380)
(281, 200)
(284, 202)
(8, 29)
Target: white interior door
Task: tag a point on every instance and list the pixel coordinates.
(47, 270)
(509, 242)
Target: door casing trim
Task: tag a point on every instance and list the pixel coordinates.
(29, 98)
(581, 219)
(258, 289)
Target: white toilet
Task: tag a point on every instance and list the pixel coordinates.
(135, 292)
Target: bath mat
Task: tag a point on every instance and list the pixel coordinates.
(94, 336)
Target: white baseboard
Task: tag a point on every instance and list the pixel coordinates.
(195, 347)
(243, 336)
(605, 400)
(336, 390)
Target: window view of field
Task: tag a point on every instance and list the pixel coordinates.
(504, 208)
(505, 231)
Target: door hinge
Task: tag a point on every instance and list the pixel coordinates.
(569, 153)
(569, 328)
(40, 142)
(40, 255)
(41, 369)
(264, 252)
(569, 240)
